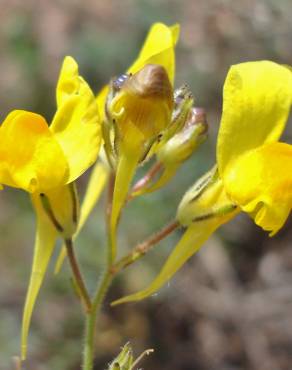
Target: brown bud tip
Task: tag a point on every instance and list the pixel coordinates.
(197, 115)
(150, 82)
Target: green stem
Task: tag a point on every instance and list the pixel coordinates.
(106, 279)
(91, 317)
(113, 268)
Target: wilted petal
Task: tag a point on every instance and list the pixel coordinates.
(158, 48)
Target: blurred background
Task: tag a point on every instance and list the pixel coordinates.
(230, 307)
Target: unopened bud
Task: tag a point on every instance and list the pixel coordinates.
(124, 360)
(181, 146)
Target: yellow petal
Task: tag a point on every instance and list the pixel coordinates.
(94, 189)
(76, 125)
(261, 183)
(44, 245)
(100, 100)
(30, 157)
(256, 103)
(190, 243)
(158, 48)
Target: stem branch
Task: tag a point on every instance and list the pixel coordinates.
(142, 248)
(91, 317)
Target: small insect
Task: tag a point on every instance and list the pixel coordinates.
(182, 93)
(118, 82)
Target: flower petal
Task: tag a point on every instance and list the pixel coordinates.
(76, 124)
(260, 182)
(158, 48)
(44, 244)
(256, 103)
(30, 157)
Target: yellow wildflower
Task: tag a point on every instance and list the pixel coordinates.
(254, 170)
(45, 160)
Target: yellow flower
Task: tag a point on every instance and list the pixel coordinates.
(159, 50)
(45, 160)
(254, 170)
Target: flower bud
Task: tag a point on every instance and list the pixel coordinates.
(143, 100)
(125, 360)
(180, 147)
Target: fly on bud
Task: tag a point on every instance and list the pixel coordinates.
(118, 82)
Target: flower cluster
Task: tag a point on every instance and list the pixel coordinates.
(140, 117)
